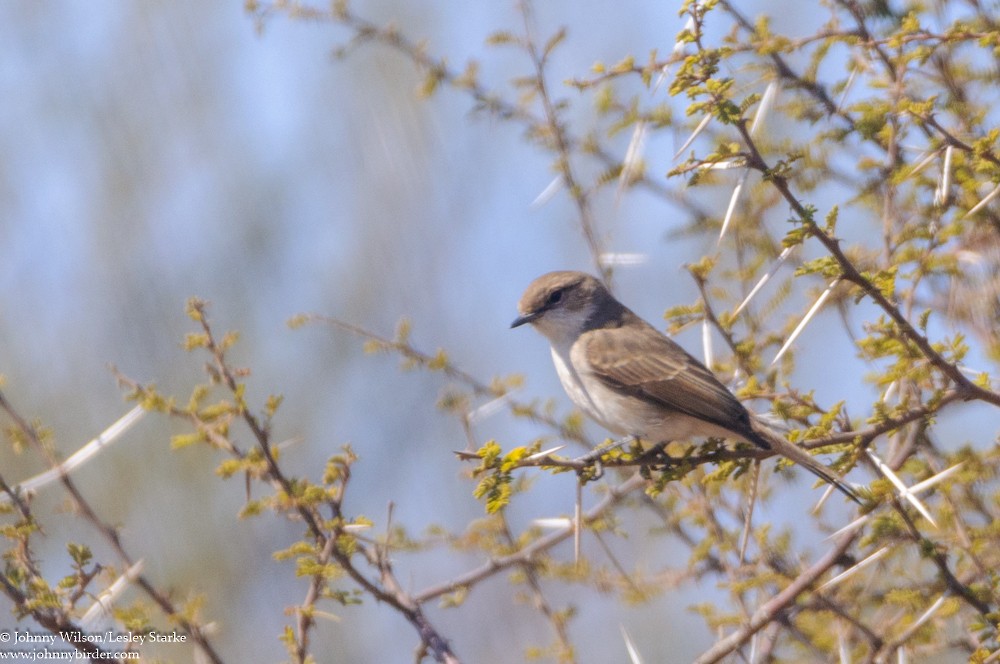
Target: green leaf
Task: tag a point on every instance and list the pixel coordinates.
(185, 440)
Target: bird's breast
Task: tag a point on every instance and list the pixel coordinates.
(619, 413)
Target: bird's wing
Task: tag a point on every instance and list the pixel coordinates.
(649, 366)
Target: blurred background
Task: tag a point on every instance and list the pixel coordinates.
(150, 152)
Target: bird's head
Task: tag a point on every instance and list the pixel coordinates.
(561, 305)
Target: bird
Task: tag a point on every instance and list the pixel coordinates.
(633, 380)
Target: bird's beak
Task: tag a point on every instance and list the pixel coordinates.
(526, 318)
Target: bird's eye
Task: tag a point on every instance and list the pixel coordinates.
(555, 297)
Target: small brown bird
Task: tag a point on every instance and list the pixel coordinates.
(633, 380)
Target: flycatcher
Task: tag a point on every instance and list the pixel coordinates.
(633, 380)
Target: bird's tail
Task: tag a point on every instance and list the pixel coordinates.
(764, 436)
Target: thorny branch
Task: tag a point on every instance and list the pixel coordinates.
(57, 621)
(328, 532)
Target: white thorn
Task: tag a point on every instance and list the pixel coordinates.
(851, 527)
(83, 454)
(623, 258)
(553, 523)
(491, 407)
(983, 203)
(928, 613)
(847, 88)
(548, 192)
(822, 499)
(356, 527)
(721, 165)
(763, 280)
(664, 71)
(678, 47)
(732, 203)
(931, 481)
(633, 156)
(633, 653)
(943, 193)
(889, 391)
(854, 570)
(697, 130)
(544, 453)
(102, 604)
(706, 341)
(332, 617)
(928, 157)
(844, 654)
(765, 106)
(904, 491)
(689, 26)
(289, 443)
(805, 320)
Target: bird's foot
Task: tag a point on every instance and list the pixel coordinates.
(593, 457)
